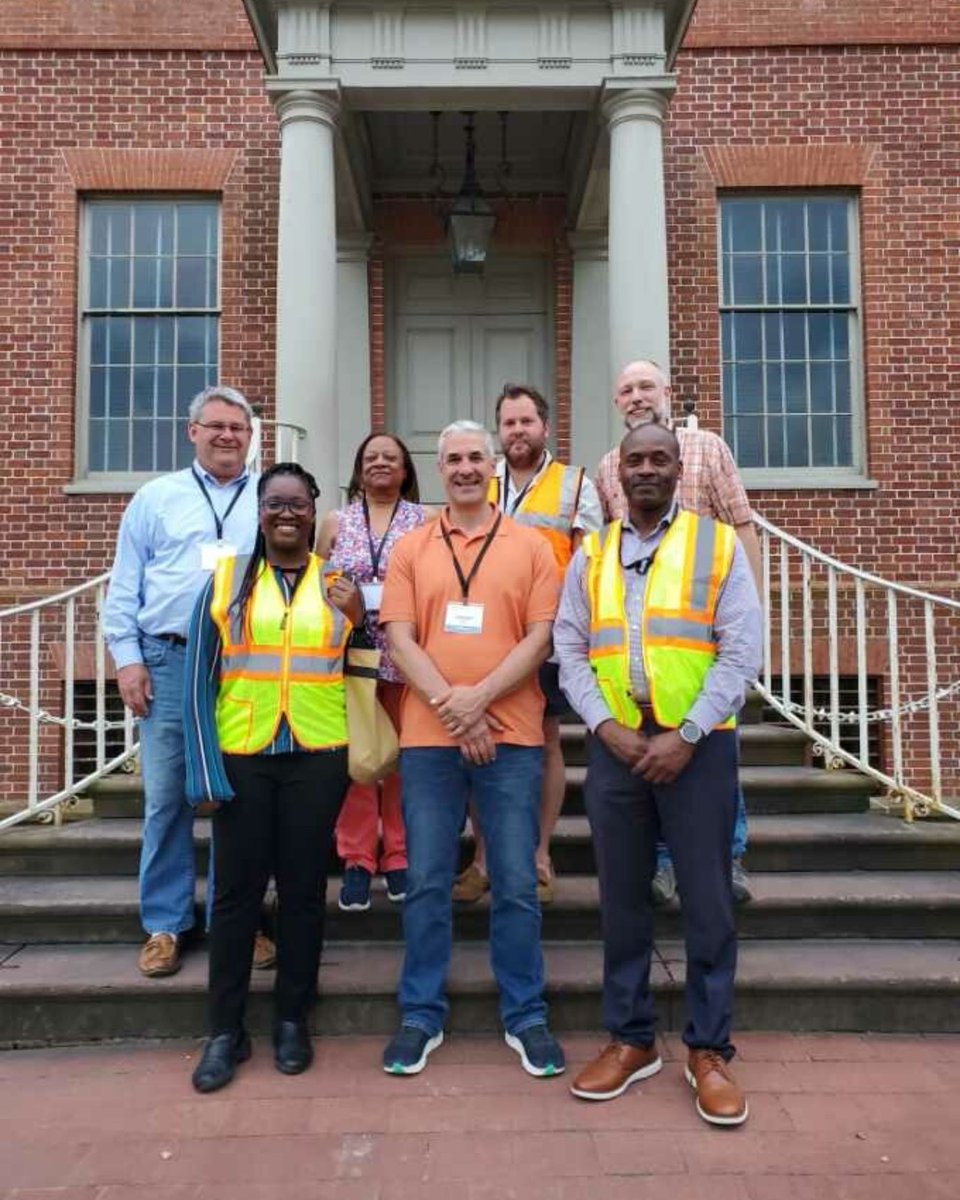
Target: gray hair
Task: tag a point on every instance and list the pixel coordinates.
(228, 395)
(456, 427)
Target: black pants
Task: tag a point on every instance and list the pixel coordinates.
(694, 815)
(279, 823)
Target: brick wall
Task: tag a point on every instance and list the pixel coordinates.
(143, 24)
(79, 118)
(821, 23)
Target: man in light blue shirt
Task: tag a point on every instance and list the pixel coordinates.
(172, 533)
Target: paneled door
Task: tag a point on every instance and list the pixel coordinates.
(456, 341)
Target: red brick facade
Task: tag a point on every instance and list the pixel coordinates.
(169, 97)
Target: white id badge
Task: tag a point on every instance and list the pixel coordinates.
(372, 596)
(463, 618)
(212, 552)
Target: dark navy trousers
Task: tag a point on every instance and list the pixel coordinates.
(695, 816)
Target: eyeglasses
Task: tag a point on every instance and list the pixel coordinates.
(221, 427)
(298, 507)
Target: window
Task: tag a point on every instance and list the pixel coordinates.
(150, 317)
(789, 325)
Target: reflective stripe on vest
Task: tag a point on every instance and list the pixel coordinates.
(549, 506)
(679, 605)
(279, 661)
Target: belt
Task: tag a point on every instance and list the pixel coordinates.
(173, 638)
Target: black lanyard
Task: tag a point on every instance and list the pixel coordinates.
(465, 581)
(376, 552)
(518, 499)
(219, 521)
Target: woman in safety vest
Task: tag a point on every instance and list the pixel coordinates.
(266, 741)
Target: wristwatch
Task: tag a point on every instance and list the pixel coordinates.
(691, 732)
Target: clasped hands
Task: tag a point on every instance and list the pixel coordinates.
(657, 759)
(463, 712)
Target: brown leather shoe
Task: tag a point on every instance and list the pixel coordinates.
(614, 1069)
(470, 885)
(719, 1100)
(264, 953)
(160, 955)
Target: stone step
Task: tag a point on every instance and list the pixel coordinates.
(902, 904)
(69, 994)
(760, 745)
(863, 841)
(768, 789)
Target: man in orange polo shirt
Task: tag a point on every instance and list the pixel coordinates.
(468, 606)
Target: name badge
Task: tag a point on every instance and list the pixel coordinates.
(372, 596)
(212, 552)
(463, 618)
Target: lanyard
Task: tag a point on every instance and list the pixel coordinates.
(518, 499)
(642, 565)
(465, 581)
(376, 552)
(219, 521)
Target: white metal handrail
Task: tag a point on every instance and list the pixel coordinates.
(286, 440)
(30, 635)
(812, 599)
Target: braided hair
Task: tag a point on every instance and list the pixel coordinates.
(259, 554)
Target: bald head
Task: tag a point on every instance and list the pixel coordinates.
(642, 392)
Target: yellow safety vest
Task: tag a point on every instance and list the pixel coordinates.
(279, 661)
(679, 605)
(549, 506)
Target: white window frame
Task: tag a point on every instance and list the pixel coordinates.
(85, 480)
(852, 475)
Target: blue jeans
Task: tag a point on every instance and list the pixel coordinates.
(506, 793)
(167, 868)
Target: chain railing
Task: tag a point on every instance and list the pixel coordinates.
(827, 620)
(47, 647)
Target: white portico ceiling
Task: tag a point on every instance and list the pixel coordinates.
(539, 149)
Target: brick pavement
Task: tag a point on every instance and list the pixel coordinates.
(833, 1117)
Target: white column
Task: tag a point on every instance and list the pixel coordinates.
(637, 230)
(307, 279)
(353, 348)
(593, 430)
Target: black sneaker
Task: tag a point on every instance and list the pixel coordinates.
(355, 891)
(540, 1052)
(407, 1050)
(397, 885)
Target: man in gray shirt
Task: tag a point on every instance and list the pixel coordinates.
(658, 637)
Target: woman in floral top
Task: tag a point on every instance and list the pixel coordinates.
(383, 505)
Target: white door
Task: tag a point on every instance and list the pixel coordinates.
(456, 341)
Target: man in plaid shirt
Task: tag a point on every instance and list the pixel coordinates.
(709, 486)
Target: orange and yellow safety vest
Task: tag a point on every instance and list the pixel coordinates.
(679, 607)
(550, 506)
(279, 660)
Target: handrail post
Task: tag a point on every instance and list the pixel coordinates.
(70, 633)
(33, 769)
(833, 650)
(936, 785)
(862, 670)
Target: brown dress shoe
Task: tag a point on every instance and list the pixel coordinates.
(719, 1100)
(470, 885)
(614, 1069)
(264, 953)
(160, 955)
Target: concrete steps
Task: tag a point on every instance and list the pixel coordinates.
(855, 922)
(904, 904)
(62, 994)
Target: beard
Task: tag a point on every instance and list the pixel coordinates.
(523, 454)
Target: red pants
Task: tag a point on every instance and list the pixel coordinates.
(368, 807)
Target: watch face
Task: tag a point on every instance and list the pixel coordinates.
(690, 732)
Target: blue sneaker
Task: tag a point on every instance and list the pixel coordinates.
(355, 891)
(407, 1050)
(397, 885)
(540, 1052)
